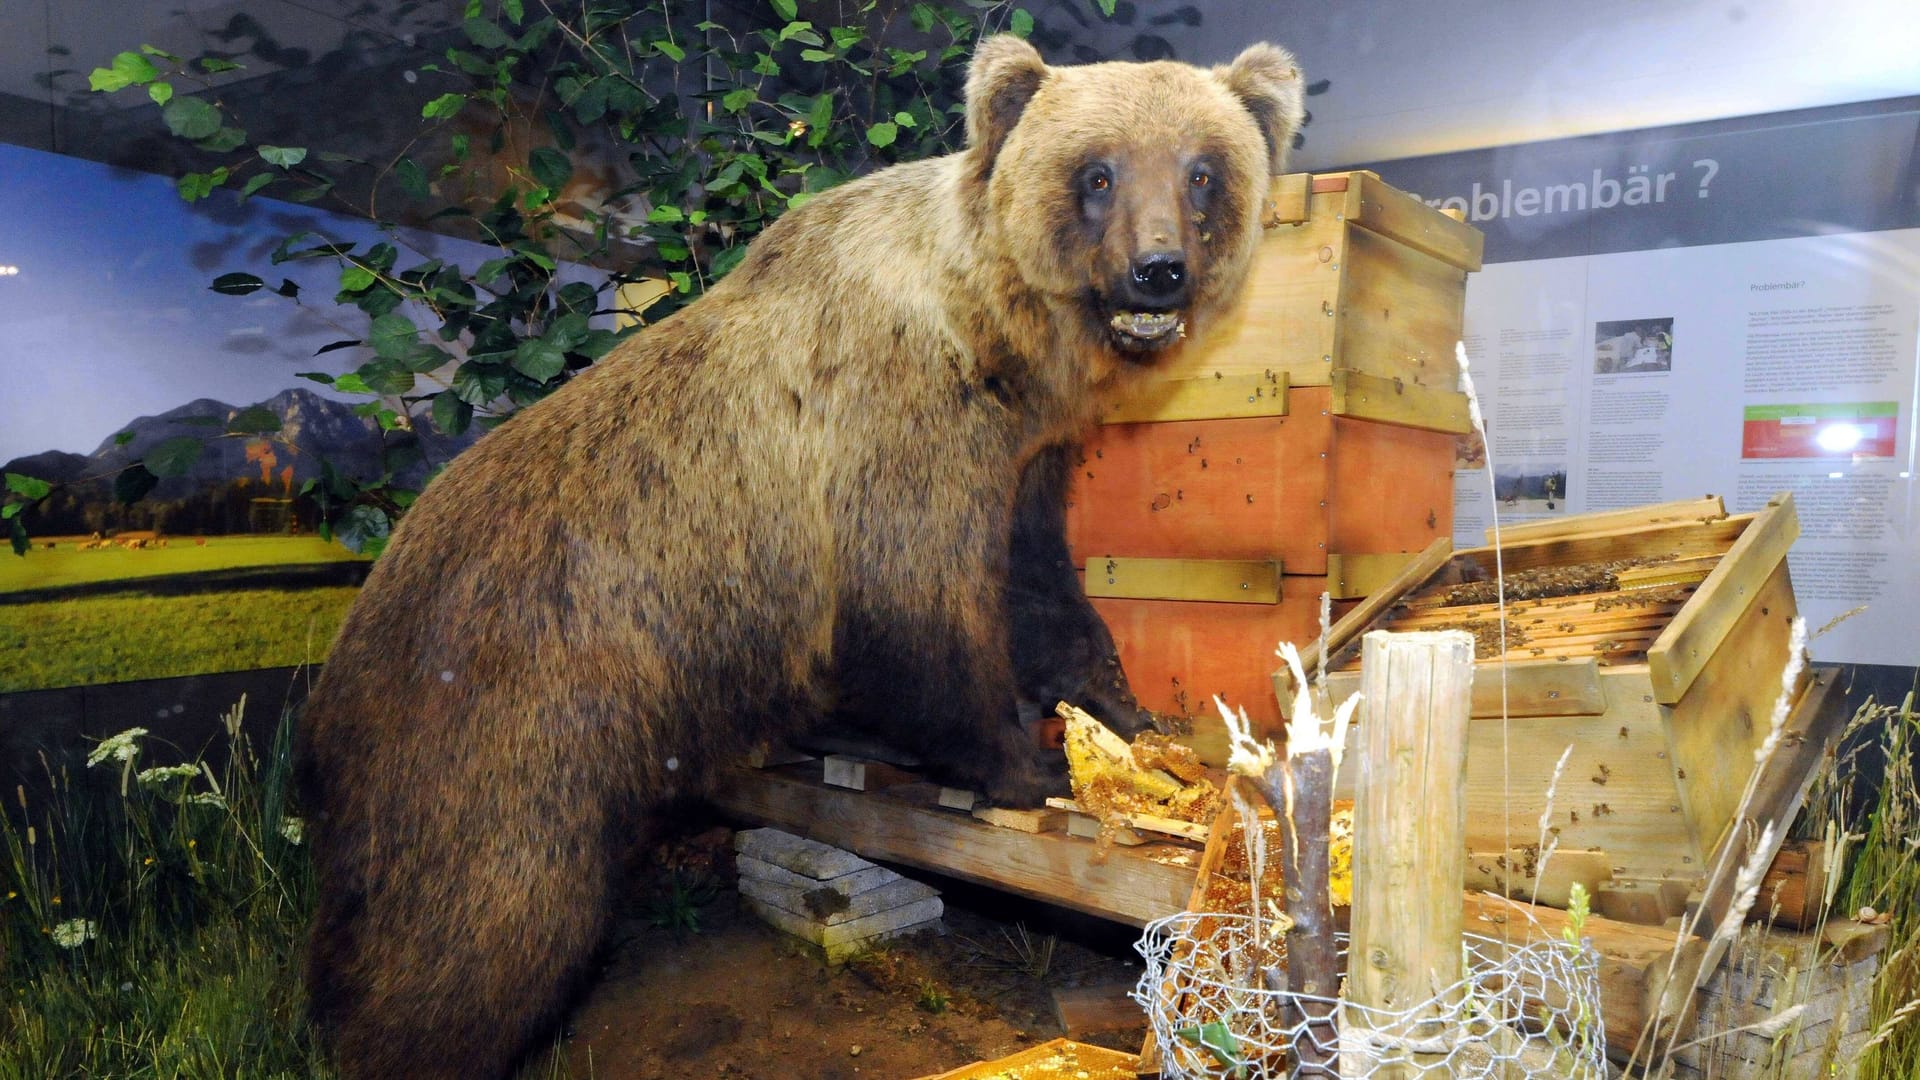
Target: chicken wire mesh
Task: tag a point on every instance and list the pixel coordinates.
(1523, 1010)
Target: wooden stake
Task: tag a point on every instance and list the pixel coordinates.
(1410, 825)
(1313, 959)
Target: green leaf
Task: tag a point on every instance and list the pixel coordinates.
(352, 383)
(191, 118)
(671, 51)
(385, 377)
(393, 335)
(487, 34)
(128, 69)
(905, 119)
(213, 65)
(320, 377)
(491, 269)
(728, 259)
(354, 278)
(160, 92)
(363, 527)
(665, 214)
(550, 167)
(18, 536)
(256, 183)
(336, 346)
(597, 344)
(412, 178)
(133, 482)
(515, 10)
(567, 331)
(451, 415)
(923, 17)
(764, 64)
(173, 457)
(820, 114)
(196, 186)
(883, 134)
(1106, 7)
(227, 138)
(477, 384)
(539, 360)
(786, 9)
(30, 488)
(253, 420)
(735, 100)
(284, 156)
(815, 56)
(444, 106)
(1021, 22)
(801, 32)
(236, 284)
(421, 358)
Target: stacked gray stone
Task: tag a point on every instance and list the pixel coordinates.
(1812, 1010)
(828, 897)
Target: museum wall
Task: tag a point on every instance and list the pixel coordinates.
(1703, 258)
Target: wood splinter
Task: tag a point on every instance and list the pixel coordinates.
(1299, 787)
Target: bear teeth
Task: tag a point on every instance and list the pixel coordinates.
(1146, 325)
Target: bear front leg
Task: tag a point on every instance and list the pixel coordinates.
(1061, 648)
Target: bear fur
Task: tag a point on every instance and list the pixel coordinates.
(794, 498)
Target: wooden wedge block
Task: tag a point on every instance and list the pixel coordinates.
(1039, 820)
(861, 774)
(1090, 1010)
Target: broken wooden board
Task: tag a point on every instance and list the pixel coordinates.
(1183, 830)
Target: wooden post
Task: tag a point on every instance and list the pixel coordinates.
(1409, 845)
(1313, 958)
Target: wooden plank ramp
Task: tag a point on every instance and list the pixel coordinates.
(905, 824)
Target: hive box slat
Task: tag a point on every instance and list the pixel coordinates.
(1179, 654)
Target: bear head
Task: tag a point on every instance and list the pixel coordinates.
(1129, 195)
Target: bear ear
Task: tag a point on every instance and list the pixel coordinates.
(1004, 75)
(1267, 81)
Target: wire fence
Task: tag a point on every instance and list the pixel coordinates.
(1522, 1010)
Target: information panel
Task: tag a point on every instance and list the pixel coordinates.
(1730, 309)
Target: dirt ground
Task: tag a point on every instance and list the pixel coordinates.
(729, 996)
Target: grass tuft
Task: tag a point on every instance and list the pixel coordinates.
(151, 918)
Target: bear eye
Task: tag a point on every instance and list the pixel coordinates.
(1200, 178)
(1097, 180)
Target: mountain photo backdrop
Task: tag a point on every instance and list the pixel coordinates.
(113, 346)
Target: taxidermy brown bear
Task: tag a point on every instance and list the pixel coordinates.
(796, 498)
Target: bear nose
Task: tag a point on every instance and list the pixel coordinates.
(1161, 275)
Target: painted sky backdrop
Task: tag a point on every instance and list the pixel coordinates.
(110, 317)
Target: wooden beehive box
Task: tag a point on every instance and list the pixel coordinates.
(1308, 447)
(1652, 642)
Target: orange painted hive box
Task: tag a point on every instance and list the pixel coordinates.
(1307, 447)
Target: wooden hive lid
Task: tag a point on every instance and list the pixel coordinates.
(1362, 198)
